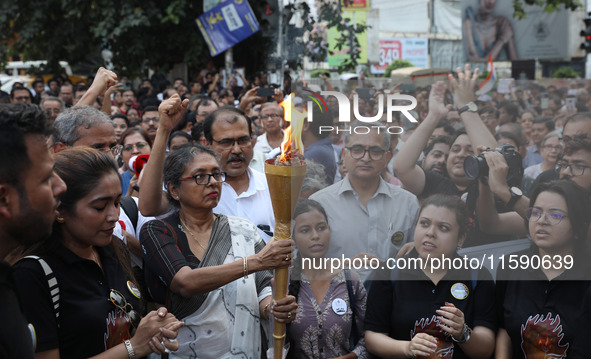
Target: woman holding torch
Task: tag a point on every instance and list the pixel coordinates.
(214, 270)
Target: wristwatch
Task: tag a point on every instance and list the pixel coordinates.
(470, 106)
(466, 336)
(516, 194)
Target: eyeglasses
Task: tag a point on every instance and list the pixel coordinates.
(273, 116)
(489, 118)
(227, 143)
(115, 150)
(54, 110)
(139, 146)
(120, 302)
(575, 169)
(203, 179)
(358, 152)
(150, 119)
(558, 148)
(553, 216)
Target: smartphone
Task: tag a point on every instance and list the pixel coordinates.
(265, 92)
(365, 93)
(544, 101)
(407, 87)
(571, 103)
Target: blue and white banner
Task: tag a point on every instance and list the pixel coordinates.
(227, 24)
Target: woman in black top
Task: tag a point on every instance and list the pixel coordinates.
(540, 301)
(97, 306)
(430, 312)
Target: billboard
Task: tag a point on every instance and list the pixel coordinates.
(415, 50)
(488, 27)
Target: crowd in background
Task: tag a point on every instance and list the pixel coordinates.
(189, 156)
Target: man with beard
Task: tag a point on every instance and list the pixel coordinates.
(435, 155)
(150, 121)
(128, 97)
(29, 189)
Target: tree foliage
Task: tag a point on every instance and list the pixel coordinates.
(397, 64)
(141, 33)
(329, 13)
(548, 5)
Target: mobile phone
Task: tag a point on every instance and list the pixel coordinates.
(407, 87)
(544, 101)
(365, 93)
(265, 92)
(571, 103)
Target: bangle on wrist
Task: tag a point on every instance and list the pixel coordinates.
(245, 264)
(266, 310)
(129, 348)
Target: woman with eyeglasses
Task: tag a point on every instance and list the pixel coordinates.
(213, 270)
(135, 142)
(541, 289)
(551, 149)
(87, 304)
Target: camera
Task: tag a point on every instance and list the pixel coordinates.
(476, 166)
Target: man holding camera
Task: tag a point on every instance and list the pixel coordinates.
(424, 182)
(575, 165)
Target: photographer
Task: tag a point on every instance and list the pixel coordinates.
(575, 165)
(424, 183)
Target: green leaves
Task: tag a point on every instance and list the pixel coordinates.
(548, 5)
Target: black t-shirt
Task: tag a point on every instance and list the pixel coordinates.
(436, 183)
(89, 323)
(16, 339)
(542, 316)
(406, 306)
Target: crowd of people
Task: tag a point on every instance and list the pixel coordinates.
(139, 222)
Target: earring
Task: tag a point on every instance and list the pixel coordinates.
(60, 219)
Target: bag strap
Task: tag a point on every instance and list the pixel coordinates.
(130, 208)
(353, 336)
(54, 290)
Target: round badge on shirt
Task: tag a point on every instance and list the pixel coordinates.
(133, 289)
(339, 306)
(459, 291)
(397, 238)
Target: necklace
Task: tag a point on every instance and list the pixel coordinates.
(96, 259)
(191, 233)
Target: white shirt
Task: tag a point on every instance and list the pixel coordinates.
(124, 223)
(253, 204)
(263, 144)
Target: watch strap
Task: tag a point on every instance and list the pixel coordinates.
(514, 198)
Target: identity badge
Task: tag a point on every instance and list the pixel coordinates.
(133, 289)
(339, 306)
(459, 291)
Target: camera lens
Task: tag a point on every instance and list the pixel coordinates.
(475, 166)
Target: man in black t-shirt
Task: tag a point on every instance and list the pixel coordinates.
(28, 200)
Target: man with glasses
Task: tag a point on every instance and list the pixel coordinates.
(29, 190)
(228, 132)
(149, 121)
(272, 120)
(368, 217)
(575, 165)
(87, 126)
(20, 94)
(52, 106)
(245, 192)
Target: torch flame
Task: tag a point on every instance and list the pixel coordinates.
(292, 146)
